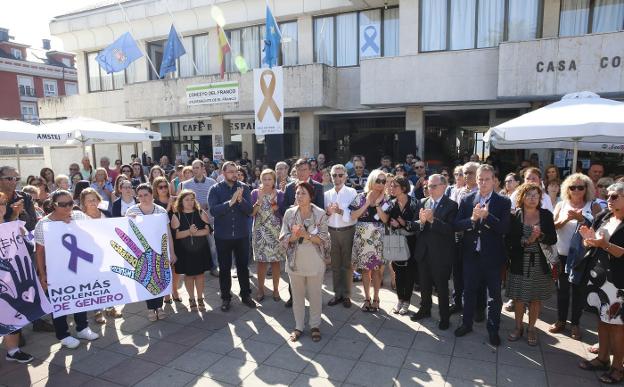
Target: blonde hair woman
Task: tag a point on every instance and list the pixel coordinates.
(367, 253)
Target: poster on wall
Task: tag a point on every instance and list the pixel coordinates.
(269, 101)
(22, 299)
(94, 264)
(370, 42)
(212, 93)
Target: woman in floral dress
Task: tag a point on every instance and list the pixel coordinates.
(367, 253)
(266, 229)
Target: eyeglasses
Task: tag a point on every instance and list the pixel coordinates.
(433, 186)
(613, 197)
(419, 166)
(64, 204)
(380, 181)
(337, 175)
(10, 178)
(533, 195)
(163, 186)
(577, 187)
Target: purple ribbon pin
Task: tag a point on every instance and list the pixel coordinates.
(72, 246)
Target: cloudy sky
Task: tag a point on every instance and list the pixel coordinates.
(28, 20)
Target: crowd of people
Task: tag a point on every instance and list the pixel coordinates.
(530, 235)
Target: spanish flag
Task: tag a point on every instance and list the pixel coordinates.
(224, 48)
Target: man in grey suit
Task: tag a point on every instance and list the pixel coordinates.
(435, 249)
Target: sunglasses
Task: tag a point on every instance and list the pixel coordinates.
(445, 174)
(64, 204)
(613, 197)
(337, 175)
(380, 181)
(419, 166)
(11, 178)
(126, 170)
(162, 187)
(577, 187)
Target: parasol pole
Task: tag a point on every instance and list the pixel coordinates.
(574, 155)
(17, 153)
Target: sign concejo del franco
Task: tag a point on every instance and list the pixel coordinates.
(212, 93)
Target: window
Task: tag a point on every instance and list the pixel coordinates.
(155, 52)
(200, 52)
(344, 39)
(467, 24)
(196, 48)
(26, 86)
(71, 88)
(17, 53)
(580, 17)
(29, 111)
(49, 88)
(99, 80)
(248, 43)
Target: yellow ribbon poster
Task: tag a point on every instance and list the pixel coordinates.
(269, 100)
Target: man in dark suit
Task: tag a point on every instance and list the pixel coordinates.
(484, 218)
(435, 248)
(302, 166)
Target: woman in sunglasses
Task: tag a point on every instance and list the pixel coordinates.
(163, 198)
(576, 207)
(127, 171)
(605, 239)
(367, 253)
(63, 212)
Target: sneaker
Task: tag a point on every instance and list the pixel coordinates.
(161, 314)
(404, 309)
(397, 307)
(20, 357)
(88, 334)
(70, 342)
(151, 315)
(234, 273)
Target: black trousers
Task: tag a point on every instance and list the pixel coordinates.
(61, 328)
(477, 272)
(154, 303)
(458, 282)
(437, 275)
(566, 291)
(406, 276)
(239, 249)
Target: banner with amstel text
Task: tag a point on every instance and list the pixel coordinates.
(93, 264)
(22, 299)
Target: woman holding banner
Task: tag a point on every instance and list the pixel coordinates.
(146, 206)
(90, 201)
(63, 212)
(190, 224)
(11, 341)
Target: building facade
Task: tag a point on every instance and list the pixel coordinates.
(360, 77)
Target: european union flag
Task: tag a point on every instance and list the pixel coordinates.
(272, 39)
(119, 55)
(173, 50)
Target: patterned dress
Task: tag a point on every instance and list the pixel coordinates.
(533, 284)
(265, 234)
(367, 250)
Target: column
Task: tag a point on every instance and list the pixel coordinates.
(408, 27)
(249, 145)
(415, 121)
(305, 39)
(308, 134)
(221, 136)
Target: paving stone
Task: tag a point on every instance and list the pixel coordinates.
(350, 349)
(25, 375)
(166, 377)
(395, 338)
(429, 362)
(267, 375)
(230, 370)
(253, 350)
(98, 362)
(373, 375)
(414, 378)
(508, 375)
(195, 361)
(330, 367)
(130, 372)
(474, 350)
(521, 357)
(384, 355)
(436, 344)
(163, 352)
(65, 379)
(472, 370)
(203, 381)
(307, 381)
(292, 359)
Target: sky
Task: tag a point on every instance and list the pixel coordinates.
(29, 20)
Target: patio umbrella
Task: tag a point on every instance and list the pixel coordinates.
(579, 121)
(89, 131)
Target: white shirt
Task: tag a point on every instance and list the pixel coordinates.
(125, 206)
(546, 202)
(344, 198)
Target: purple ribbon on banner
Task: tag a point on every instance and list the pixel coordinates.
(75, 251)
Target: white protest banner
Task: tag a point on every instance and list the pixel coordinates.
(269, 101)
(22, 299)
(217, 153)
(212, 93)
(369, 41)
(93, 264)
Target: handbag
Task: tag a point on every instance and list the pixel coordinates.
(395, 246)
(550, 252)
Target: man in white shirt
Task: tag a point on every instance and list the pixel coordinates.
(341, 231)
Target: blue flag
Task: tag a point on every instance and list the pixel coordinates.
(119, 55)
(272, 39)
(173, 50)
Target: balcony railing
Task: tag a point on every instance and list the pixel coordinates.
(26, 91)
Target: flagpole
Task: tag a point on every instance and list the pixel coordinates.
(181, 37)
(123, 11)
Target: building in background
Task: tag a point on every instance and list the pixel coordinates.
(374, 78)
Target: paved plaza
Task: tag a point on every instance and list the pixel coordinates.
(249, 347)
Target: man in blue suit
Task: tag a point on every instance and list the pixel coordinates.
(484, 218)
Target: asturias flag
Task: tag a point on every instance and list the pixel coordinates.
(224, 48)
(119, 55)
(272, 39)
(173, 50)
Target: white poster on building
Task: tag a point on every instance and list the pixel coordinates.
(217, 153)
(269, 101)
(212, 93)
(370, 42)
(93, 264)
